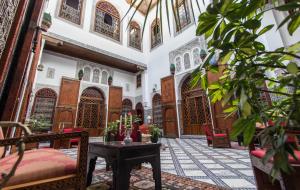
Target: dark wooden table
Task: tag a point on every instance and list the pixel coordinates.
(124, 158)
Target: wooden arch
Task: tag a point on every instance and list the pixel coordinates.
(108, 8)
(91, 111)
(126, 106)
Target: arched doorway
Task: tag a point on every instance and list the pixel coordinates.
(44, 105)
(126, 106)
(91, 111)
(140, 112)
(157, 110)
(195, 109)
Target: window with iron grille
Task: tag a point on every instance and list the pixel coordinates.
(71, 10)
(107, 20)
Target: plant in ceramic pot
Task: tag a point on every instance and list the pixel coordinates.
(110, 80)
(155, 133)
(80, 74)
(111, 131)
(46, 22)
(172, 68)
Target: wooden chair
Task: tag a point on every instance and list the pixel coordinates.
(217, 138)
(44, 168)
(262, 171)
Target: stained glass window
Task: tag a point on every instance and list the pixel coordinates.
(156, 37)
(71, 10)
(86, 74)
(196, 56)
(135, 35)
(96, 76)
(107, 20)
(187, 61)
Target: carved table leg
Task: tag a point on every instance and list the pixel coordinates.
(156, 172)
(121, 176)
(91, 167)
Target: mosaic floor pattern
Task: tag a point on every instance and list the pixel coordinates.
(192, 158)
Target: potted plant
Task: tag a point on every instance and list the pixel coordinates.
(80, 74)
(155, 133)
(172, 68)
(111, 131)
(110, 80)
(38, 124)
(46, 22)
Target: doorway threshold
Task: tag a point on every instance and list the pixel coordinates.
(193, 137)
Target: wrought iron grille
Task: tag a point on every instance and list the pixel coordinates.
(107, 20)
(71, 11)
(8, 10)
(135, 36)
(44, 104)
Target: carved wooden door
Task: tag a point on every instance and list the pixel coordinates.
(91, 111)
(168, 101)
(195, 109)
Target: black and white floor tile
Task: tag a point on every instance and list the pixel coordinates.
(192, 158)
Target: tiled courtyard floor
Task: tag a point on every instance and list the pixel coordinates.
(192, 158)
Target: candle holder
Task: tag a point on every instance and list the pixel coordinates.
(128, 139)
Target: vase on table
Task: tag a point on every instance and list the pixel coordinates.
(128, 139)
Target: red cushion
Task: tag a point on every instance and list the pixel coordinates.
(209, 138)
(68, 130)
(260, 153)
(74, 140)
(220, 135)
(38, 165)
(77, 129)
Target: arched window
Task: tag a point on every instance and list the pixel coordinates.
(44, 104)
(178, 64)
(71, 10)
(183, 13)
(156, 37)
(187, 61)
(96, 76)
(126, 106)
(104, 77)
(135, 35)
(157, 110)
(140, 112)
(86, 74)
(196, 56)
(107, 20)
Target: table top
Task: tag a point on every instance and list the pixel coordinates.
(122, 145)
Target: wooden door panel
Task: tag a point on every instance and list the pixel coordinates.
(170, 122)
(115, 103)
(66, 109)
(168, 101)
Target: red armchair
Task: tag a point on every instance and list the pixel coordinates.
(217, 138)
(43, 168)
(262, 171)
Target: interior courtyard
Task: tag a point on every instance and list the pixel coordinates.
(149, 94)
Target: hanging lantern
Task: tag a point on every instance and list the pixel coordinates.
(40, 67)
(203, 54)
